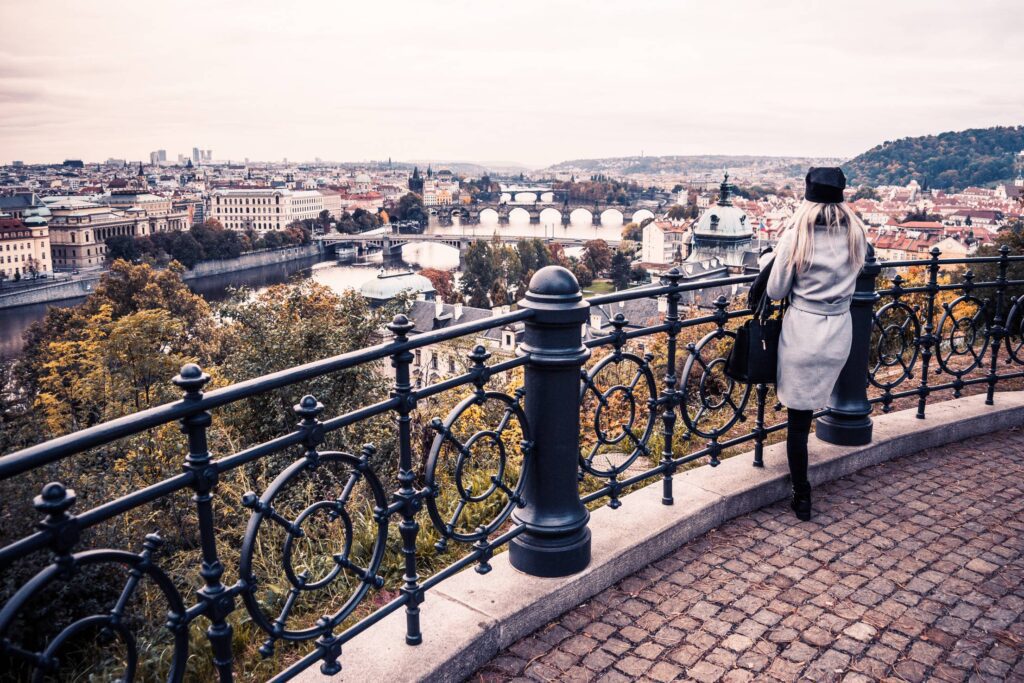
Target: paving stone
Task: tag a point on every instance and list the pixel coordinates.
(910, 571)
(664, 672)
(705, 672)
(633, 666)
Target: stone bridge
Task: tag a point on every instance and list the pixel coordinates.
(391, 244)
(538, 212)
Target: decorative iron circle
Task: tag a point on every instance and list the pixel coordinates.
(346, 472)
(454, 461)
(715, 391)
(1015, 332)
(958, 335)
(896, 331)
(603, 400)
(111, 623)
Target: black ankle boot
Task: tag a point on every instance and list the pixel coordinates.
(801, 503)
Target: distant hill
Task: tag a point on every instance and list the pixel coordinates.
(978, 156)
(686, 165)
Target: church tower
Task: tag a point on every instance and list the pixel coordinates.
(722, 232)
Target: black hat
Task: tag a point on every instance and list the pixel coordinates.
(825, 185)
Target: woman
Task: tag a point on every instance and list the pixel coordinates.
(816, 263)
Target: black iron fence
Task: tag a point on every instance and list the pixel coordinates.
(580, 430)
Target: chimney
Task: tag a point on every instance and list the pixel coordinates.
(438, 309)
(458, 310)
(662, 304)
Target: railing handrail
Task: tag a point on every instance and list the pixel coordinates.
(63, 446)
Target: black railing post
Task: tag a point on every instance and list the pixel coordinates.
(556, 541)
(997, 329)
(669, 400)
(848, 422)
(218, 601)
(407, 497)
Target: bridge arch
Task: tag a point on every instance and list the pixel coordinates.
(489, 217)
(581, 217)
(612, 217)
(641, 216)
(523, 198)
(550, 216)
(519, 216)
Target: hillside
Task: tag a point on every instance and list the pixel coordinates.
(978, 156)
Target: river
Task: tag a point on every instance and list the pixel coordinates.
(14, 321)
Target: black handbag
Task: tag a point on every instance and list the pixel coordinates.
(754, 358)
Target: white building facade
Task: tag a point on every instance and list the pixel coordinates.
(263, 209)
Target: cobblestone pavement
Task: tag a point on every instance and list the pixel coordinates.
(910, 571)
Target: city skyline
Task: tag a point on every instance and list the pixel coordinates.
(530, 83)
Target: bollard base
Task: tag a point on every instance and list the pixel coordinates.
(843, 431)
(538, 556)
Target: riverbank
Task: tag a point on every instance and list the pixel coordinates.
(82, 286)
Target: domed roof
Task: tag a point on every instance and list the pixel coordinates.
(387, 286)
(723, 219)
(362, 178)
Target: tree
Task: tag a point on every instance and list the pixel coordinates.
(217, 242)
(477, 275)
(638, 274)
(129, 288)
(122, 247)
(443, 282)
(288, 325)
(921, 216)
(597, 256)
(507, 266)
(632, 232)
(364, 220)
(679, 212)
(533, 255)
(583, 274)
(323, 220)
(619, 272)
(410, 208)
(865, 192)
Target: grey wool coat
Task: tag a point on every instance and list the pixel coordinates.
(816, 329)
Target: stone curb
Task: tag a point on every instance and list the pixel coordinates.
(470, 618)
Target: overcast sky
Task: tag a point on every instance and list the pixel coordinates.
(531, 82)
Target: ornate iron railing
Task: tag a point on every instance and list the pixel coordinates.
(636, 424)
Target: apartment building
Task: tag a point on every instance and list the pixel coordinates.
(24, 247)
(268, 208)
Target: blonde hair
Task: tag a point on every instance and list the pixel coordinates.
(837, 217)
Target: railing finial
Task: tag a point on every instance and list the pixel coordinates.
(191, 379)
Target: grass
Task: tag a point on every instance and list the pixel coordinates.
(598, 287)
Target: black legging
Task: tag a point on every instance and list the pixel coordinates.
(796, 445)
